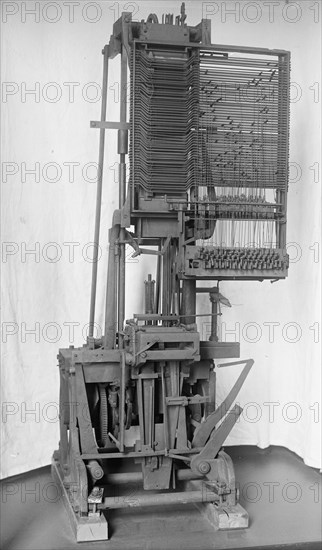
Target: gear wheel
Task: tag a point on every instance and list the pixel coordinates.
(103, 415)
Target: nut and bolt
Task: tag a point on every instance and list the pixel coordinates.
(204, 467)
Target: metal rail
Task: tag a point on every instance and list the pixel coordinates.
(160, 499)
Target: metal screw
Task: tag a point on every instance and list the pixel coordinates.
(204, 467)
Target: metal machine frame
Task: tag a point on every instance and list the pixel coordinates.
(145, 391)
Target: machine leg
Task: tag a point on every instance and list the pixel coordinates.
(86, 528)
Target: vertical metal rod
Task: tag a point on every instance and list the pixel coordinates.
(63, 421)
(283, 99)
(111, 289)
(149, 294)
(174, 390)
(166, 281)
(156, 308)
(148, 405)
(99, 193)
(165, 408)
(173, 283)
(177, 299)
(164, 306)
(122, 190)
(151, 404)
(122, 402)
(214, 312)
(211, 405)
(139, 390)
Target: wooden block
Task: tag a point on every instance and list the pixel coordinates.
(89, 529)
(221, 516)
(225, 517)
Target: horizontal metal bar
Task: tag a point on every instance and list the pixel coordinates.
(217, 47)
(145, 376)
(185, 401)
(135, 477)
(171, 355)
(110, 125)
(139, 454)
(155, 317)
(208, 289)
(96, 356)
(173, 335)
(158, 499)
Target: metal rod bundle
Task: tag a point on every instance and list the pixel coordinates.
(212, 128)
(242, 118)
(164, 111)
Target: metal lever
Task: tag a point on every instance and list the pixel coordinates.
(201, 463)
(203, 432)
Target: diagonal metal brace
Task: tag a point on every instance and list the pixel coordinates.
(212, 448)
(202, 433)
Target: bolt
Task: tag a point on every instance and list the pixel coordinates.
(204, 467)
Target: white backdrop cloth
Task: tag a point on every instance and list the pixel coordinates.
(51, 72)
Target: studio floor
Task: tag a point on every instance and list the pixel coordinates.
(280, 493)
